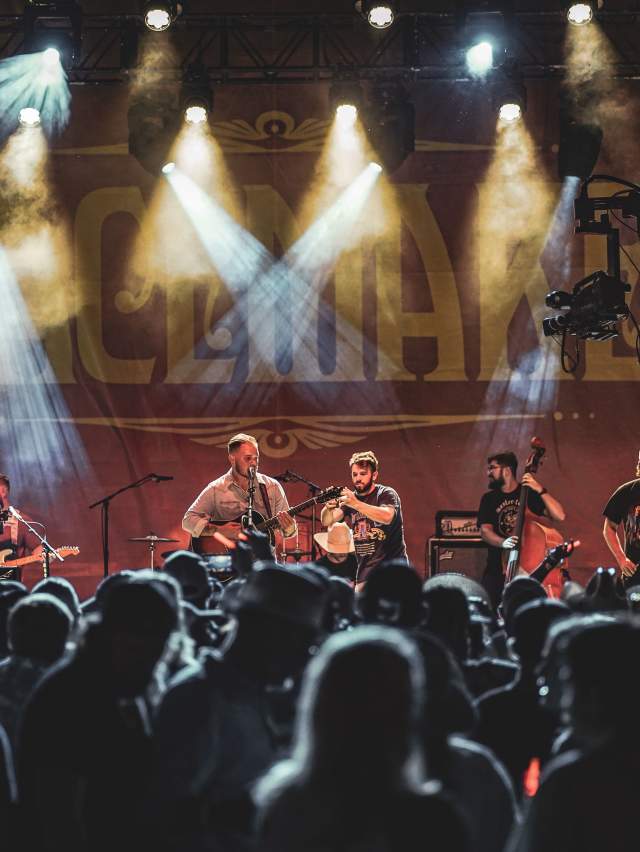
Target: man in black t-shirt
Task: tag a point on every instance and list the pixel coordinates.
(374, 514)
(623, 509)
(498, 512)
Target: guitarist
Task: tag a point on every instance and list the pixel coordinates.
(498, 512)
(623, 511)
(226, 498)
(15, 536)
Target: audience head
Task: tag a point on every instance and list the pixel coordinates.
(603, 593)
(279, 613)
(38, 628)
(448, 618)
(106, 586)
(601, 682)
(62, 589)
(392, 595)
(449, 707)
(552, 666)
(515, 594)
(340, 613)
(358, 718)
(138, 617)
(531, 625)
(11, 591)
(192, 575)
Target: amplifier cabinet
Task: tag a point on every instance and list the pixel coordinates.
(466, 556)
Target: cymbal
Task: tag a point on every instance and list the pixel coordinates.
(153, 538)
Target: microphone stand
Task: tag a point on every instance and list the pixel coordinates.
(292, 476)
(104, 504)
(48, 549)
(251, 490)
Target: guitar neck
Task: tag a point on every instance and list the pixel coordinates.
(522, 508)
(293, 511)
(514, 554)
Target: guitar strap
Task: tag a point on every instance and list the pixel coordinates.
(265, 499)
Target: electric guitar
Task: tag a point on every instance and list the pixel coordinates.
(7, 562)
(208, 545)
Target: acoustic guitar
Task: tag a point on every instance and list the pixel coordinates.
(535, 539)
(209, 545)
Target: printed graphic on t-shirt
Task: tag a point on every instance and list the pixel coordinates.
(507, 514)
(632, 529)
(366, 534)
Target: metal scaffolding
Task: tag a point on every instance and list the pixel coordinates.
(269, 49)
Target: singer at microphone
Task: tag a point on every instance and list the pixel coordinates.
(15, 539)
(220, 506)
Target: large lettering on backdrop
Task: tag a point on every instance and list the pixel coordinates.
(412, 347)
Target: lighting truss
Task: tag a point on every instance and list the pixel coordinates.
(255, 48)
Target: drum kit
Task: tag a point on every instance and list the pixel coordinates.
(219, 566)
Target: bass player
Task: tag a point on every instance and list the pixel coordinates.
(498, 512)
(226, 498)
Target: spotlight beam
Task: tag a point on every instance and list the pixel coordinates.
(38, 434)
(31, 81)
(265, 286)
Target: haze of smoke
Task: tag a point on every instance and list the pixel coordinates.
(514, 204)
(601, 99)
(33, 231)
(157, 56)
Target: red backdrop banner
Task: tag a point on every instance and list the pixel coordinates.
(414, 346)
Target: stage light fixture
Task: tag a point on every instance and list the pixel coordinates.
(479, 58)
(29, 117)
(346, 99)
(158, 16)
(580, 14)
(509, 95)
(51, 28)
(196, 97)
(379, 14)
(390, 125)
(168, 168)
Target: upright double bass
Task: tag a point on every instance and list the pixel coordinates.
(534, 538)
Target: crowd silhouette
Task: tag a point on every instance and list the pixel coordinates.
(278, 712)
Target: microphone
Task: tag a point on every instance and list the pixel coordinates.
(284, 477)
(252, 472)
(16, 514)
(158, 477)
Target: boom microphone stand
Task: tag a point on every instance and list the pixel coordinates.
(48, 549)
(292, 476)
(104, 504)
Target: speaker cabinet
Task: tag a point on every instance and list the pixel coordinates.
(466, 556)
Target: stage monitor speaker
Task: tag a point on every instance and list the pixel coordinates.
(464, 556)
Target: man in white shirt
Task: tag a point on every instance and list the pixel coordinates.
(226, 498)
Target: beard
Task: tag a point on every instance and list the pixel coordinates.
(362, 489)
(496, 484)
